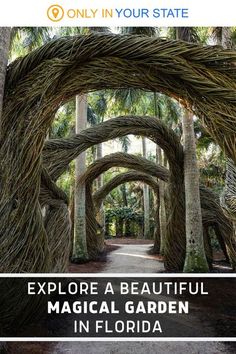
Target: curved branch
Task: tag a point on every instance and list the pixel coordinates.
(212, 212)
(122, 159)
(58, 153)
(125, 177)
(201, 77)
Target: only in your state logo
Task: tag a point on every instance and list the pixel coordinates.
(55, 13)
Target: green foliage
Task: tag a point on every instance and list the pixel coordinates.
(203, 34)
(25, 39)
(98, 102)
(124, 213)
(143, 31)
(233, 37)
(214, 241)
(64, 122)
(66, 181)
(188, 34)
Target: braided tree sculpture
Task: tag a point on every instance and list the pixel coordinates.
(202, 78)
(132, 176)
(211, 210)
(228, 198)
(96, 244)
(58, 153)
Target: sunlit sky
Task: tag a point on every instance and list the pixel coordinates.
(134, 148)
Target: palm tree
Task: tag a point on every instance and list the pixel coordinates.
(5, 33)
(127, 101)
(100, 110)
(79, 250)
(26, 39)
(146, 201)
(145, 31)
(167, 110)
(162, 208)
(195, 260)
(125, 144)
(223, 36)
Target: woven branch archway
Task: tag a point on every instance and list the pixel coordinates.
(96, 243)
(134, 176)
(202, 78)
(212, 212)
(58, 153)
(125, 177)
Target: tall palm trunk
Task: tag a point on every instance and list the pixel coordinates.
(99, 156)
(101, 215)
(195, 260)
(5, 33)
(146, 203)
(223, 36)
(162, 207)
(80, 252)
(127, 225)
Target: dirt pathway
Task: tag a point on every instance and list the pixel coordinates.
(132, 259)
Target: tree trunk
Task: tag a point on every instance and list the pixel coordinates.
(80, 252)
(162, 209)
(195, 260)
(223, 37)
(161, 217)
(157, 232)
(146, 204)
(94, 152)
(72, 217)
(5, 33)
(101, 214)
(127, 232)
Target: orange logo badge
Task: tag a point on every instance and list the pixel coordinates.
(55, 13)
